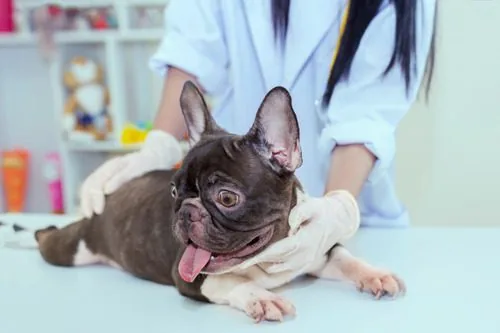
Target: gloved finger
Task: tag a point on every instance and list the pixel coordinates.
(308, 238)
(301, 213)
(118, 179)
(277, 252)
(289, 265)
(97, 199)
(97, 179)
(91, 200)
(110, 168)
(94, 184)
(295, 262)
(85, 204)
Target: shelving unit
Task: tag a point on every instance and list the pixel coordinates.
(117, 51)
(153, 35)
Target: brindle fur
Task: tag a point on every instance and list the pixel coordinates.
(136, 231)
(136, 228)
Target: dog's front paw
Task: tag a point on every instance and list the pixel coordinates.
(268, 306)
(260, 304)
(244, 295)
(380, 283)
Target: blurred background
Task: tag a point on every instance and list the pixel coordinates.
(448, 162)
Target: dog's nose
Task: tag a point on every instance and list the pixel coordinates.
(191, 213)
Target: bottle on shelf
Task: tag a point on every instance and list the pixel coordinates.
(7, 16)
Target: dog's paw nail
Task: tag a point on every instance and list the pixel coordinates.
(382, 284)
(271, 308)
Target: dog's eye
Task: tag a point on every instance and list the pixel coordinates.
(173, 191)
(227, 199)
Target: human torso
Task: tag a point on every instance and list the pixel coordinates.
(303, 69)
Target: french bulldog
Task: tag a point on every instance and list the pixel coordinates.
(229, 201)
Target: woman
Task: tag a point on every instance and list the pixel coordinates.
(353, 70)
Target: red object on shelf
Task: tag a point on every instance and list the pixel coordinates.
(100, 23)
(6, 15)
(54, 10)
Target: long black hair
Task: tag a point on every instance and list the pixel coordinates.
(361, 13)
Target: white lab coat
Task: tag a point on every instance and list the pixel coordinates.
(229, 46)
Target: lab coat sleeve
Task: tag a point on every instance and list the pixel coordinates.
(193, 42)
(367, 107)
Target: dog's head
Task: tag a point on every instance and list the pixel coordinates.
(233, 193)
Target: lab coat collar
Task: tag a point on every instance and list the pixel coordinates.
(308, 24)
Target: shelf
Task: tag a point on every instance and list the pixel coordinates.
(102, 36)
(59, 38)
(64, 3)
(81, 37)
(122, 50)
(89, 3)
(142, 35)
(110, 146)
(146, 2)
(85, 37)
(104, 146)
(8, 39)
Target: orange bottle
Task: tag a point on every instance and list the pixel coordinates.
(15, 166)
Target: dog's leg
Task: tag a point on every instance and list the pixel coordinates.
(236, 291)
(342, 265)
(242, 294)
(67, 246)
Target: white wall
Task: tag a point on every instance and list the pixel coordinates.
(448, 154)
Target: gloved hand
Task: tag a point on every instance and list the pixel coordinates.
(160, 151)
(316, 224)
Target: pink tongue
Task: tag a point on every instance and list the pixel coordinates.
(192, 262)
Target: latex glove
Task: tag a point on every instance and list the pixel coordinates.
(316, 224)
(160, 151)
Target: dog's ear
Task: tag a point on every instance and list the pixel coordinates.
(275, 132)
(196, 114)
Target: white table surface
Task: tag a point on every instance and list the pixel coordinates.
(452, 275)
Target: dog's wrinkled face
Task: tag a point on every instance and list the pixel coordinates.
(234, 193)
